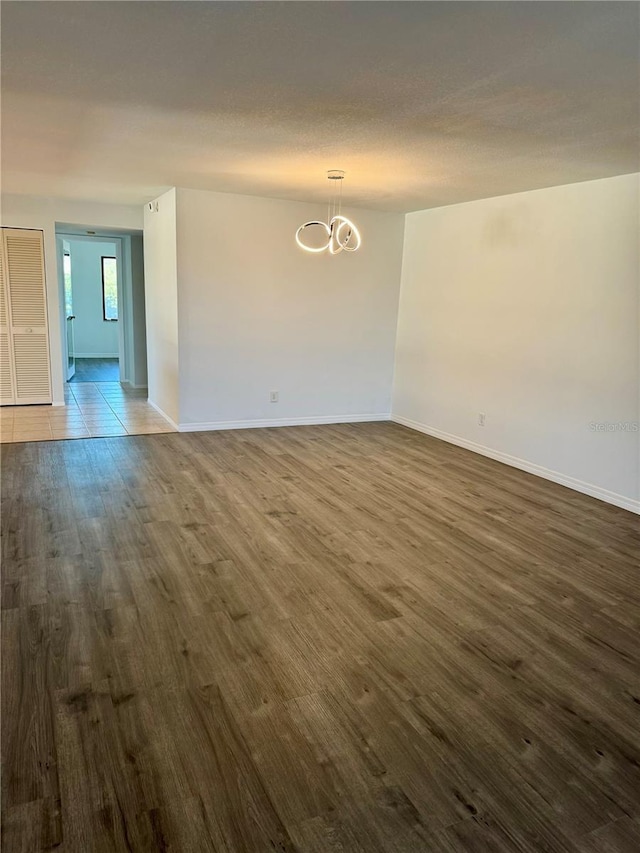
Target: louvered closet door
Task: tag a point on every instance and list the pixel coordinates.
(29, 335)
(7, 386)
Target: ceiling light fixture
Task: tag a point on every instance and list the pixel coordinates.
(341, 233)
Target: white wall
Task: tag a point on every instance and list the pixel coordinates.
(43, 213)
(92, 334)
(138, 357)
(258, 314)
(161, 301)
(526, 308)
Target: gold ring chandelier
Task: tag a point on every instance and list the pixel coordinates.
(341, 233)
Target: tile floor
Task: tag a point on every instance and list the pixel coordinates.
(93, 409)
(96, 370)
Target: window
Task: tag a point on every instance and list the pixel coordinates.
(109, 288)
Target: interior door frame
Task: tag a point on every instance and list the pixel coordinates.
(122, 304)
(65, 342)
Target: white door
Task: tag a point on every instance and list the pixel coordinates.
(27, 315)
(64, 275)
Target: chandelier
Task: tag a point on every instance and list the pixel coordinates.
(340, 232)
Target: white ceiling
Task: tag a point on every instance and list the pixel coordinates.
(422, 103)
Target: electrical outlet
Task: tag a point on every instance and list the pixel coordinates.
(273, 397)
(481, 418)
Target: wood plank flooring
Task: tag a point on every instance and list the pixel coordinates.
(316, 639)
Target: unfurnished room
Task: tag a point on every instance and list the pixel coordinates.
(320, 425)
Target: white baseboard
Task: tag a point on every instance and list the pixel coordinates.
(164, 415)
(131, 385)
(96, 355)
(213, 426)
(524, 465)
(281, 422)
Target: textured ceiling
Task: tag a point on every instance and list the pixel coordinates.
(422, 103)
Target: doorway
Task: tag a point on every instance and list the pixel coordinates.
(102, 303)
(106, 383)
(91, 272)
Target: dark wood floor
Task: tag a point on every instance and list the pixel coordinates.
(337, 638)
